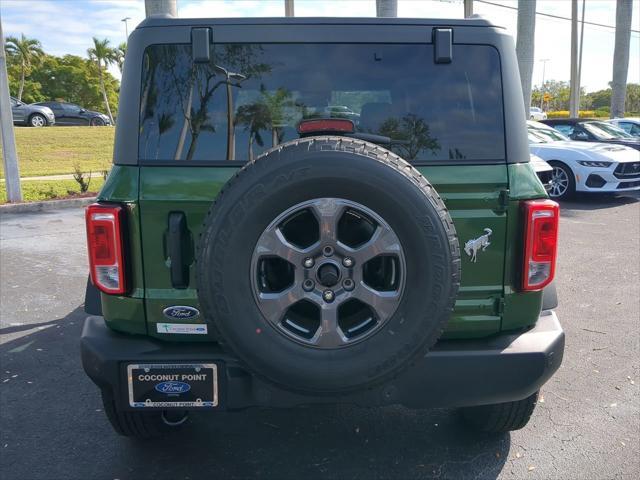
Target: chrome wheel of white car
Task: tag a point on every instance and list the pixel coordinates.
(37, 120)
(562, 182)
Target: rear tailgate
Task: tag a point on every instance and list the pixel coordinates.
(473, 195)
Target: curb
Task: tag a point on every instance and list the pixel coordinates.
(46, 205)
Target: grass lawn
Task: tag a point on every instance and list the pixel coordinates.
(55, 150)
(37, 190)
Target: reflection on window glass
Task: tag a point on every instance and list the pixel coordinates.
(565, 129)
(251, 97)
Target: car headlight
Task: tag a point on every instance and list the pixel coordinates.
(588, 163)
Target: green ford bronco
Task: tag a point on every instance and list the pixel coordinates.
(308, 211)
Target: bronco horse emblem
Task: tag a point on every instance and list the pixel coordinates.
(473, 246)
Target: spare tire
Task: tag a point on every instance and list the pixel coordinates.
(328, 264)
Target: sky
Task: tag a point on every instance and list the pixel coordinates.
(67, 26)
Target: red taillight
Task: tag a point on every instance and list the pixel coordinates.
(540, 243)
(326, 125)
(105, 246)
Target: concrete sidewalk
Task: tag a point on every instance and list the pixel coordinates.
(67, 176)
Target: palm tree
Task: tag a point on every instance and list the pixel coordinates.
(276, 104)
(121, 51)
(524, 47)
(255, 117)
(27, 51)
(621, 57)
(165, 122)
(103, 55)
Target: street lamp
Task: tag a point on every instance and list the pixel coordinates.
(544, 66)
(126, 26)
(231, 141)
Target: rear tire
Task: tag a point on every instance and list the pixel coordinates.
(500, 417)
(328, 171)
(140, 425)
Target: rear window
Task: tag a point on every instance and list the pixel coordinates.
(251, 97)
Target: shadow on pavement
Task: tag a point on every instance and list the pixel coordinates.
(53, 427)
(597, 201)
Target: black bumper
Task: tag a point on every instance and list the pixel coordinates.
(455, 373)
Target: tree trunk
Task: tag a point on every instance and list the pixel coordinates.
(187, 122)
(574, 81)
(386, 8)
(160, 7)
(22, 74)
(621, 58)
(104, 93)
(524, 47)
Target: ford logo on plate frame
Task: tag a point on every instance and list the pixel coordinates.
(173, 387)
(180, 312)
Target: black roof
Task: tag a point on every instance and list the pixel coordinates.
(552, 121)
(166, 20)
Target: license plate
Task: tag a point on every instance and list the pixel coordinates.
(173, 385)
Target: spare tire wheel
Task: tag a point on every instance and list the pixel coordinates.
(328, 264)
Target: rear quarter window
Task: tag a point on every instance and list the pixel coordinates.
(251, 97)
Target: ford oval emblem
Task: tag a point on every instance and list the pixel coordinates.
(173, 387)
(180, 312)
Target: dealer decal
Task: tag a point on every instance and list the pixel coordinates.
(182, 328)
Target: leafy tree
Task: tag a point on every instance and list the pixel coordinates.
(601, 98)
(410, 136)
(27, 51)
(103, 55)
(120, 52)
(71, 79)
(633, 97)
(276, 103)
(255, 117)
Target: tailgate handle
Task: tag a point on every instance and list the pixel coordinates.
(178, 242)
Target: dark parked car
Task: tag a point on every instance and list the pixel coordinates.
(72, 114)
(31, 115)
(590, 130)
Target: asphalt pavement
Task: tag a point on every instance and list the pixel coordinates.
(586, 426)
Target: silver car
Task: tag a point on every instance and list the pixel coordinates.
(31, 115)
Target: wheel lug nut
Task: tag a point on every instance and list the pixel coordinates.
(308, 285)
(328, 296)
(327, 251)
(347, 262)
(348, 284)
(308, 262)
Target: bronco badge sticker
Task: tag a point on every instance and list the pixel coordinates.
(473, 246)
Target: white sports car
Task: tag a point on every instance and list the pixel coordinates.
(584, 166)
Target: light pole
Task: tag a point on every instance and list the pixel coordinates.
(126, 26)
(231, 140)
(9, 153)
(544, 67)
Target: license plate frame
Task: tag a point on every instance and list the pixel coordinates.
(173, 385)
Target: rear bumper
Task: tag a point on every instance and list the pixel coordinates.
(455, 373)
